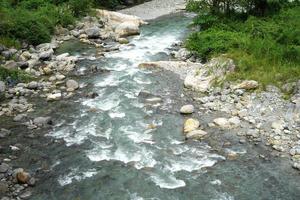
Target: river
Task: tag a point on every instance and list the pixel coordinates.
(127, 143)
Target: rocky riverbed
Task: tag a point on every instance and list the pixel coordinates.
(126, 124)
(53, 79)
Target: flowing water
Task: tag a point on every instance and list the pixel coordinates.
(127, 143)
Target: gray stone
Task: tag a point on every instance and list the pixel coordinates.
(72, 85)
(33, 85)
(3, 188)
(42, 121)
(45, 55)
(4, 168)
(93, 32)
(20, 117)
(11, 65)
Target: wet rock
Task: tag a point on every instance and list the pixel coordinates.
(4, 168)
(247, 85)
(191, 125)
(43, 121)
(92, 95)
(196, 134)
(187, 109)
(72, 85)
(2, 87)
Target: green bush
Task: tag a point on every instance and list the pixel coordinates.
(16, 75)
(266, 49)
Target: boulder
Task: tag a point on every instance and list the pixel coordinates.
(247, 85)
(201, 79)
(72, 85)
(127, 29)
(187, 109)
(46, 55)
(122, 24)
(196, 134)
(93, 32)
(191, 125)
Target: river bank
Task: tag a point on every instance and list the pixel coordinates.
(120, 136)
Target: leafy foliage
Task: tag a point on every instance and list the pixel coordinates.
(266, 47)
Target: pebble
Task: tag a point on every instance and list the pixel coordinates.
(187, 109)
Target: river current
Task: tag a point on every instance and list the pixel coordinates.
(127, 143)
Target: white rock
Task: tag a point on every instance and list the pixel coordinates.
(54, 97)
(187, 109)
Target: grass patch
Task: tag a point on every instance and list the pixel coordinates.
(15, 75)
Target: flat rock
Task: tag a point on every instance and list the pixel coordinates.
(222, 122)
(196, 134)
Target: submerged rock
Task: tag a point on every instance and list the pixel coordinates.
(43, 121)
(191, 125)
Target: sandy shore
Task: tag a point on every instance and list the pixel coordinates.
(156, 8)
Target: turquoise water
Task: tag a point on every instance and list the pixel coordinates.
(111, 153)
